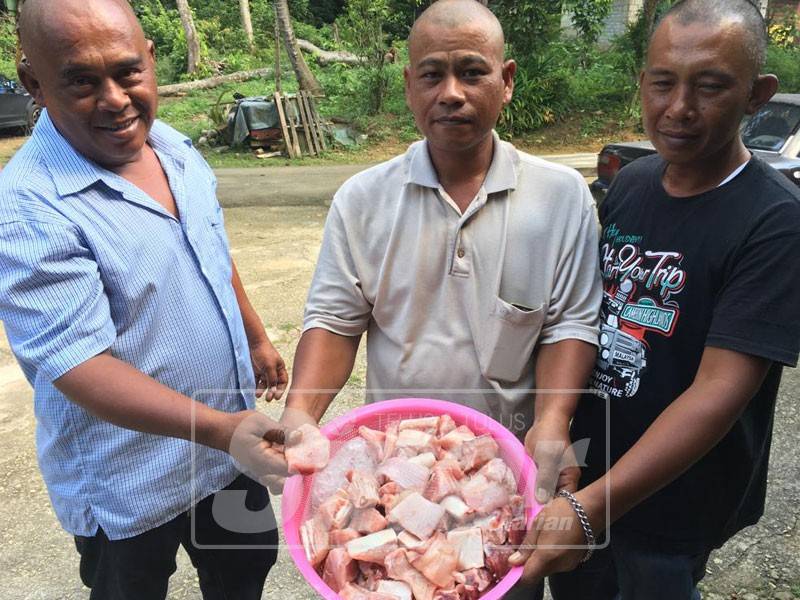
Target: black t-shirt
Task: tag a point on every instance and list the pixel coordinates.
(719, 269)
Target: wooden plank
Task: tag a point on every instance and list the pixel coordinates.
(298, 100)
(318, 135)
(318, 121)
(284, 128)
(292, 130)
(312, 126)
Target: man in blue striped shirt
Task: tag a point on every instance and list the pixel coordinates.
(127, 315)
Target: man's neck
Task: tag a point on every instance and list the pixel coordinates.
(684, 180)
(462, 174)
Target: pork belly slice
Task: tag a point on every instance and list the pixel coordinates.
(427, 424)
(340, 569)
(414, 440)
(368, 520)
(444, 480)
(469, 546)
(426, 459)
(411, 542)
(373, 547)
(456, 508)
(407, 475)
(494, 527)
(390, 442)
(455, 438)
(316, 543)
(398, 568)
(439, 562)
(339, 537)
(496, 559)
(335, 512)
(356, 592)
(475, 579)
(417, 515)
(356, 454)
(474, 453)
(483, 496)
(310, 453)
(363, 489)
(376, 439)
(498, 471)
(446, 425)
(518, 523)
(398, 589)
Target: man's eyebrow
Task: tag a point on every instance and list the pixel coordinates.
(723, 75)
(72, 69)
(659, 72)
(463, 60)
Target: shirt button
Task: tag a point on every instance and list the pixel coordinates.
(460, 253)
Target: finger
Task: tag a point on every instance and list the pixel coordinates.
(525, 550)
(273, 483)
(260, 386)
(547, 456)
(535, 570)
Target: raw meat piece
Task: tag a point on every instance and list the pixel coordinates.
(335, 511)
(483, 496)
(355, 455)
(494, 527)
(310, 453)
(426, 459)
(473, 454)
(369, 575)
(390, 443)
(339, 537)
(315, 540)
(363, 489)
(368, 520)
(451, 594)
(339, 569)
(415, 440)
(479, 579)
(497, 470)
(406, 474)
(373, 547)
(456, 437)
(444, 481)
(439, 561)
(496, 558)
(456, 508)
(398, 568)
(426, 424)
(355, 592)
(517, 524)
(417, 515)
(446, 425)
(399, 589)
(412, 542)
(469, 545)
(376, 439)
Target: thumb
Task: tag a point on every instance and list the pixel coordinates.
(276, 436)
(528, 545)
(547, 456)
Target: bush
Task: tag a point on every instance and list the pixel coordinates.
(785, 63)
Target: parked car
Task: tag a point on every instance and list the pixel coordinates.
(17, 107)
(773, 134)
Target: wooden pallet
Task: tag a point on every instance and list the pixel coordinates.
(299, 117)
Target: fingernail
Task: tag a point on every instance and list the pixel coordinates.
(542, 496)
(516, 557)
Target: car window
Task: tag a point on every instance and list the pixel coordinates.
(770, 127)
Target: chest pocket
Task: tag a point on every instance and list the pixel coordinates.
(508, 337)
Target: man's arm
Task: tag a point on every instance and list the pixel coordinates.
(685, 432)
(322, 364)
(268, 366)
(116, 392)
(565, 365)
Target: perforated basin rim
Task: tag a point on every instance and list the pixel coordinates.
(296, 505)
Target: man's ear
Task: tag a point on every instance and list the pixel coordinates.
(30, 82)
(764, 88)
(509, 69)
(151, 50)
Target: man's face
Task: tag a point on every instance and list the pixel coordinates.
(696, 87)
(97, 80)
(456, 85)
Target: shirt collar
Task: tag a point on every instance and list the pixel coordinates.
(72, 172)
(502, 173)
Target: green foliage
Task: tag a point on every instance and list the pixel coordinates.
(785, 63)
(8, 46)
(588, 17)
(783, 29)
(531, 26)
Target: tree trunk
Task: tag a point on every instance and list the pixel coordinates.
(325, 57)
(175, 89)
(192, 43)
(305, 78)
(247, 24)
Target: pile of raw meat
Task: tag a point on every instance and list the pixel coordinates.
(424, 510)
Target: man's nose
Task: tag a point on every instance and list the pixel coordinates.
(451, 91)
(113, 97)
(681, 105)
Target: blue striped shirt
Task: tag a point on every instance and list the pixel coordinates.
(88, 263)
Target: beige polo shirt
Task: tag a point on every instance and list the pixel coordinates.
(455, 304)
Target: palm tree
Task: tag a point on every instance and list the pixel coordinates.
(305, 78)
(247, 23)
(192, 43)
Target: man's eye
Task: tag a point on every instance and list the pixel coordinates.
(472, 73)
(80, 81)
(430, 75)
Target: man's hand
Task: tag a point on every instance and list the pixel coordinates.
(290, 421)
(548, 443)
(256, 444)
(555, 542)
(269, 370)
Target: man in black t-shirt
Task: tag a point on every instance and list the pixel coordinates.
(699, 257)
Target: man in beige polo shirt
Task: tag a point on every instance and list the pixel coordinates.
(472, 267)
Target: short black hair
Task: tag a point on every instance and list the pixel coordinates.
(713, 11)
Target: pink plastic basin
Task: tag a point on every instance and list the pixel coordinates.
(296, 493)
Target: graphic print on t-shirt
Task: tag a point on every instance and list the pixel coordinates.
(638, 290)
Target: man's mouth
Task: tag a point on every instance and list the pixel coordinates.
(453, 120)
(121, 126)
(679, 135)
